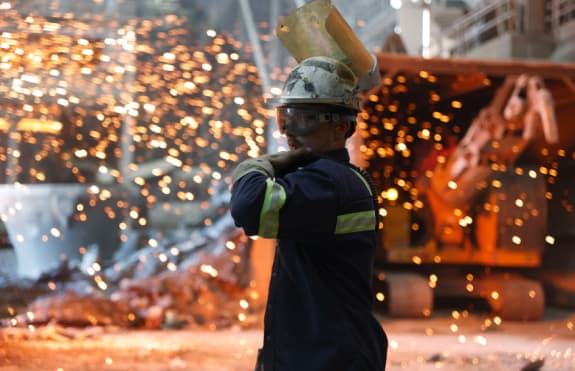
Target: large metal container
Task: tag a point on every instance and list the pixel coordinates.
(50, 225)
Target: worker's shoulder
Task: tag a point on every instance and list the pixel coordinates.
(330, 167)
(322, 162)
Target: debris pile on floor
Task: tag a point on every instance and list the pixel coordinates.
(198, 280)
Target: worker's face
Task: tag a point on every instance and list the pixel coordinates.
(306, 127)
(327, 137)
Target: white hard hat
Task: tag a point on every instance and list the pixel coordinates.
(320, 80)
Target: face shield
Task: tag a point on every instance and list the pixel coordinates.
(318, 29)
(296, 121)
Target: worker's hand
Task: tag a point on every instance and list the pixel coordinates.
(285, 162)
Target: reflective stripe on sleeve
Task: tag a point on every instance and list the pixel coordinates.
(355, 222)
(275, 198)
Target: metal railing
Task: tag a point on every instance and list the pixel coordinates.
(560, 12)
(487, 23)
(502, 17)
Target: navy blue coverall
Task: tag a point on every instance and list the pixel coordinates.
(319, 312)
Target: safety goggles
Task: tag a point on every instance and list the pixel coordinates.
(297, 121)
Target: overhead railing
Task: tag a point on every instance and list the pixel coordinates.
(561, 12)
(485, 24)
(503, 17)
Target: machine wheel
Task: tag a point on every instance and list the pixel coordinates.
(514, 298)
(408, 295)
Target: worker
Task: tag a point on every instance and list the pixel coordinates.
(322, 211)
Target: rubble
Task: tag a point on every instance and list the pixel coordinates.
(180, 279)
(51, 332)
(189, 299)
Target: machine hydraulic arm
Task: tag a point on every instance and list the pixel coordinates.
(497, 136)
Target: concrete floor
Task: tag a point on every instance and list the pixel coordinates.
(447, 341)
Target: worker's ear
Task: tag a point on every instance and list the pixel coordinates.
(342, 127)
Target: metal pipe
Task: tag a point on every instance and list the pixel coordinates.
(260, 62)
(253, 37)
(274, 60)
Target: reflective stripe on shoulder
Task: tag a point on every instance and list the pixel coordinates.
(363, 180)
(355, 222)
(275, 198)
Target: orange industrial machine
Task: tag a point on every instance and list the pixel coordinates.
(473, 162)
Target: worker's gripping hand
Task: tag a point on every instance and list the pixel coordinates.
(286, 162)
